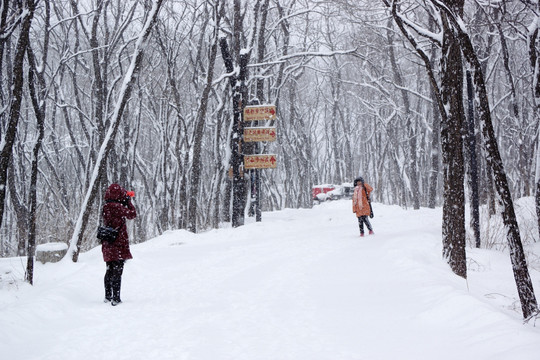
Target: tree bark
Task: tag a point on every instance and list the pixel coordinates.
(38, 104)
(452, 149)
(236, 82)
(16, 100)
(435, 151)
(435, 138)
(473, 165)
(535, 64)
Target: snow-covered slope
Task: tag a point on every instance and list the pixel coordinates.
(300, 285)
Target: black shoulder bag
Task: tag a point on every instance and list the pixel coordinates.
(107, 233)
(369, 202)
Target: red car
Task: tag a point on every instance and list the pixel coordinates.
(332, 192)
(321, 189)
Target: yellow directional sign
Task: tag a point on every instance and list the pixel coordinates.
(260, 161)
(259, 112)
(259, 134)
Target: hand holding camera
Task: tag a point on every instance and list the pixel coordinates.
(129, 196)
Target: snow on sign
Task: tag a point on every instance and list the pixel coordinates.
(260, 161)
(260, 134)
(259, 112)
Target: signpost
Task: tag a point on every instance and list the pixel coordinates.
(259, 134)
(259, 112)
(255, 162)
(260, 162)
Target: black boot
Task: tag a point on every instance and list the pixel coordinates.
(108, 284)
(116, 282)
(116, 291)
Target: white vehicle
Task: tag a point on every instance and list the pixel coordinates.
(332, 192)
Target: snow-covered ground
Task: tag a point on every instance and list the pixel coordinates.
(300, 285)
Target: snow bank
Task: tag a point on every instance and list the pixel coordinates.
(300, 285)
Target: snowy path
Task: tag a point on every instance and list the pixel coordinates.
(300, 285)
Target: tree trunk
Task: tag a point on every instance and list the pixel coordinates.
(398, 80)
(473, 166)
(237, 83)
(16, 100)
(435, 151)
(535, 64)
(452, 148)
(38, 104)
(199, 128)
(435, 140)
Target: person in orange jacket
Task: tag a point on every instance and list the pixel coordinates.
(362, 204)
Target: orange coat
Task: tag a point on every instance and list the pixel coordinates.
(360, 205)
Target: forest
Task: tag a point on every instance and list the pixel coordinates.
(434, 103)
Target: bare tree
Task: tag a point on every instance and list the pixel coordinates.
(201, 119)
(123, 97)
(529, 304)
(450, 100)
(26, 12)
(38, 93)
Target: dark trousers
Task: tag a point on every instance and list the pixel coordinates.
(113, 279)
(364, 219)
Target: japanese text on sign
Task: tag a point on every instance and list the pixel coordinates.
(259, 134)
(260, 161)
(259, 112)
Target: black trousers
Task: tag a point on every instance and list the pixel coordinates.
(364, 219)
(113, 280)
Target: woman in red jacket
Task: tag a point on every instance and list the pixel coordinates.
(361, 204)
(117, 209)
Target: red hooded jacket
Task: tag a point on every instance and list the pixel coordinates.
(117, 209)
